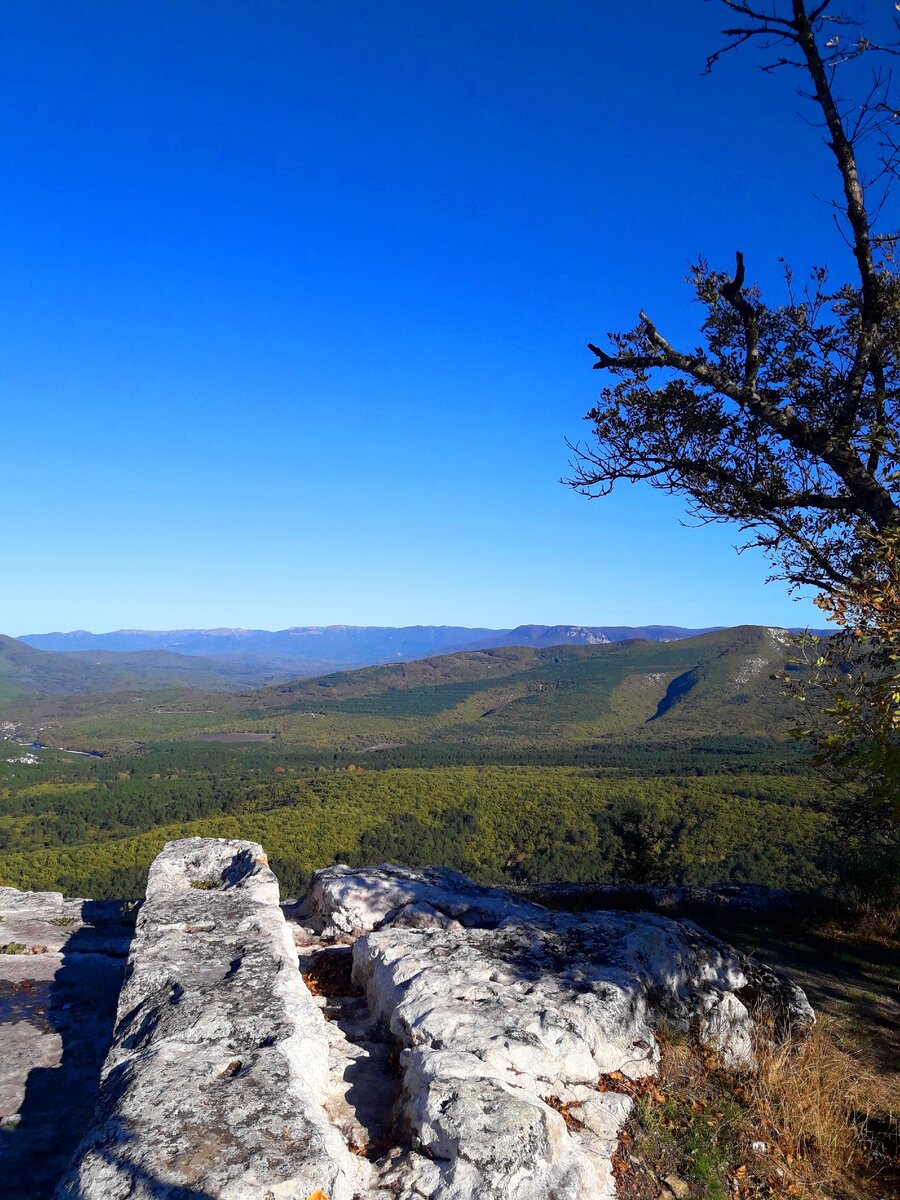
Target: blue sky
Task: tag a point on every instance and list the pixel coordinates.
(296, 297)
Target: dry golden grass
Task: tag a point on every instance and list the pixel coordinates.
(824, 1118)
(821, 1108)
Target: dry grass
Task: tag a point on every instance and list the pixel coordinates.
(825, 1121)
(880, 925)
(826, 1108)
(827, 1114)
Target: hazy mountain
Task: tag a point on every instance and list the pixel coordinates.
(541, 635)
(332, 645)
(26, 670)
(312, 649)
(583, 635)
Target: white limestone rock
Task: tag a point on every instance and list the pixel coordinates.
(354, 900)
(502, 1025)
(212, 1083)
(726, 1024)
(507, 1011)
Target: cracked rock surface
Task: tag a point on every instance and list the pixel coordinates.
(506, 1016)
(398, 1034)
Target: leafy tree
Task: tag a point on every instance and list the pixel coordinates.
(850, 691)
(787, 419)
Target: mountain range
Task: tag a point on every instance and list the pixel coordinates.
(83, 663)
(232, 660)
(315, 649)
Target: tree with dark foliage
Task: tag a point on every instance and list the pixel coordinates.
(787, 419)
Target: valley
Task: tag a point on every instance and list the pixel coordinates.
(657, 762)
(509, 699)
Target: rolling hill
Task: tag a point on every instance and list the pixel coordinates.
(716, 683)
(510, 699)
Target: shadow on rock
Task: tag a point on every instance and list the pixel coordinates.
(140, 1181)
(78, 1006)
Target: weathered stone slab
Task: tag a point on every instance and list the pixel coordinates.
(211, 1087)
(508, 1012)
(503, 1026)
(685, 970)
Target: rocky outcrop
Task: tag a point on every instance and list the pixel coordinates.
(684, 972)
(508, 1015)
(211, 1086)
(398, 1033)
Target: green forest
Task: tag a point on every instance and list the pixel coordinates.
(91, 827)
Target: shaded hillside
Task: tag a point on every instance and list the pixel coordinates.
(524, 692)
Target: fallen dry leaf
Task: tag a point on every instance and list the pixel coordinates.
(564, 1110)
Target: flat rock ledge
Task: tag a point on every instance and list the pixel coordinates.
(398, 1033)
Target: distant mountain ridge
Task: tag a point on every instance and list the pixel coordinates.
(317, 649)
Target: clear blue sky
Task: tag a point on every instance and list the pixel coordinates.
(296, 296)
